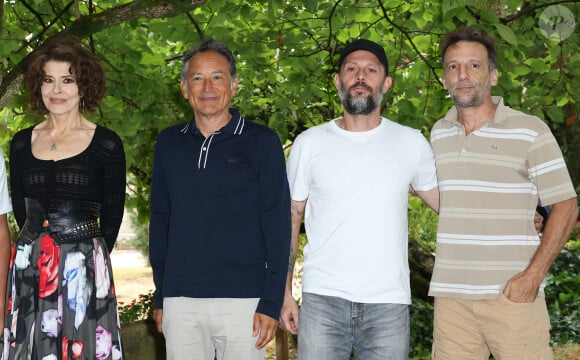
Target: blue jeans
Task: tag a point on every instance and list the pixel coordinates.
(330, 327)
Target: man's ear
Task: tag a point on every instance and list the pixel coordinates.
(234, 87)
(183, 87)
(337, 81)
(387, 84)
(493, 77)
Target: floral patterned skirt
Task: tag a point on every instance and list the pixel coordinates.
(60, 301)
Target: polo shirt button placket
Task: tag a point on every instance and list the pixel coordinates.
(462, 147)
(461, 139)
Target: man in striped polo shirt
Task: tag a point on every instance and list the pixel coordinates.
(493, 164)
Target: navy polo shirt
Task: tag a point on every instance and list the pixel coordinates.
(220, 214)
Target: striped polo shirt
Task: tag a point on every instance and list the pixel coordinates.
(490, 182)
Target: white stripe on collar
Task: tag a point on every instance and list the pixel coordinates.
(237, 131)
(240, 126)
(185, 128)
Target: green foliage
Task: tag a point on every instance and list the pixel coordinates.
(421, 313)
(141, 239)
(138, 309)
(422, 224)
(422, 236)
(563, 293)
(422, 239)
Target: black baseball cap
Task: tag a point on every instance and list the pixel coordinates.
(366, 45)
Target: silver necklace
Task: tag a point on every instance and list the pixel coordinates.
(64, 133)
(53, 145)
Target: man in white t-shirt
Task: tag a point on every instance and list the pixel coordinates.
(5, 208)
(350, 177)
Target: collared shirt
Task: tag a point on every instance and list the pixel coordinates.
(490, 182)
(235, 127)
(220, 214)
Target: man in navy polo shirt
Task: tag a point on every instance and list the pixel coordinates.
(220, 221)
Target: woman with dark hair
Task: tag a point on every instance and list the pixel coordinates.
(67, 181)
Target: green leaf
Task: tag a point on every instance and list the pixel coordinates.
(555, 114)
(520, 70)
(536, 65)
(489, 16)
(562, 101)
(506, 33)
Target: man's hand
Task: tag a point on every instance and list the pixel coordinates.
(158, 317)
(266, 327)
(522, 288)
(289, 314)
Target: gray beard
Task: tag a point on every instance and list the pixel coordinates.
(473, 101)
(359, 105)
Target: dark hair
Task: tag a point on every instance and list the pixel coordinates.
(473, 35)
(209, 45)
(84, 65)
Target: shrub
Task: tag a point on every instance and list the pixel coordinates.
(138, 309)
(421, 338)
(563, 292)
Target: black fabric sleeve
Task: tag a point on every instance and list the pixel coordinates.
(276, 225)
(111, 149)
(17, 161)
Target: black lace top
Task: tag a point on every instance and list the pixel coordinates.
(97, 174)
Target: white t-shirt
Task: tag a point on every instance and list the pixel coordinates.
(356, 186)
(5, 206)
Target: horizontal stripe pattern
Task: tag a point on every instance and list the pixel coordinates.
(478, 265)
(488, 240)
(471, 292)
(486, 186)
(547, 167)
(510, 134)
(465, 289)
(497, 214)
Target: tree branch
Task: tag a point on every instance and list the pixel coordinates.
(406, 35)
(198, 29)
(529, 9)
(330, 48)
(45, 28)
(35, 13)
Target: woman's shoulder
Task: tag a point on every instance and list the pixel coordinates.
(107, 138)
(27, 132)
(104, 132)
(21, 140)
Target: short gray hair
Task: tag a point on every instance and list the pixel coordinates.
(209, 45)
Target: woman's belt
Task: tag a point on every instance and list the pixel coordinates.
(66, 221)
